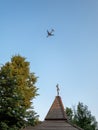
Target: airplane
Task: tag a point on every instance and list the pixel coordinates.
(50, 33)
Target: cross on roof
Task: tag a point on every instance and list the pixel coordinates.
(57, 86)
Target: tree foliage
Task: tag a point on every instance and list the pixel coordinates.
(17, 90)
(69, 113)
(82, 117)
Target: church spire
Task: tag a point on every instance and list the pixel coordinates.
(56, 111)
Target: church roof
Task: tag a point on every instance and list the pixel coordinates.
(55, 119)
(56, 111)
(54, 125)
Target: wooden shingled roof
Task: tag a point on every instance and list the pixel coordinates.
(56, 111)
(55, 119)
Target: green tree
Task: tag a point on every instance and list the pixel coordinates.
(82, 117)
(69, 113)
(17, 90)
(32, 120)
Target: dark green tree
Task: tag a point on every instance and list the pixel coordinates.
(32, 120)
(17, 90)
(69, 113)
(82, 117)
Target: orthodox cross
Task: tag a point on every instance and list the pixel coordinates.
(57, 86)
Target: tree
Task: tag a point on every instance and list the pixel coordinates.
(17, 90)
(69, 113)
(82, 117)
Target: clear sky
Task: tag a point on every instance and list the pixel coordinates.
(69, 58)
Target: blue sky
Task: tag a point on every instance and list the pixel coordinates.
(69, 58)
